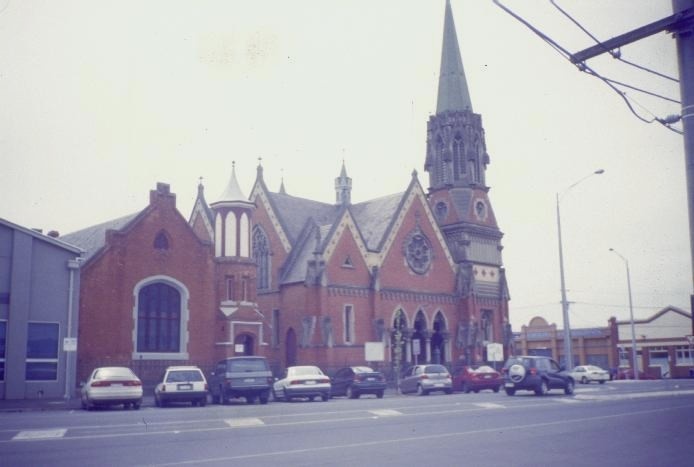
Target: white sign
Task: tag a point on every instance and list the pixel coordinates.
(239, 348)
(495, 352)
(374, 352)
(69, 344)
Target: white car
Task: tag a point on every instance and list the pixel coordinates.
(584, 374)
(181, 384)
(112, 385)
(302, 382)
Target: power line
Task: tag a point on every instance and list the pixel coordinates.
(616, 54)
(582, 66)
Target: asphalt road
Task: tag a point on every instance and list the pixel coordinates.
(648, 423)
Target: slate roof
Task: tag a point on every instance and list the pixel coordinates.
(301, 217)
(374, 217)
(93, 238)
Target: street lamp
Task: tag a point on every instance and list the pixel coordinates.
(568, 353)
(631, 317)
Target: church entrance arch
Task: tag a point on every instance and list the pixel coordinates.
(419, 339)
(290, 348)
(438, 342)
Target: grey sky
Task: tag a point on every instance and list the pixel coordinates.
(101, 100)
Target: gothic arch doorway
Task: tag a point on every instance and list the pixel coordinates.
(419, 328)
(290, 348)
(438, 342)
(248, 343)
(398, 339)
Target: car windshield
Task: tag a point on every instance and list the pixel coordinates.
(179, 376)
(303, 371)
(483, 369)
(120, 373)
(527, 362)
(362, 369)
(246, 365)
(435, 369)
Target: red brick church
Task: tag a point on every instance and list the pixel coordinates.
(412, 277)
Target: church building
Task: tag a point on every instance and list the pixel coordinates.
(407, 278)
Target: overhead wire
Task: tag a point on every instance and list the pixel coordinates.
(666, 122)
(615, 54)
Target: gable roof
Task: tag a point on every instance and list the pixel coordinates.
(92, 239)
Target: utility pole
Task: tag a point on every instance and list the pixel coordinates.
(681, 24)
(684, 35)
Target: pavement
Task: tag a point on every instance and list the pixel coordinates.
(48, 404)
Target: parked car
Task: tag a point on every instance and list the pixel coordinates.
(249, 377)
(585, 374)
(302, 382)
(112, 385)
(628, 373)
(424, 379)
(181, 384)
(353, 381)
(477, 378)
(535, 373)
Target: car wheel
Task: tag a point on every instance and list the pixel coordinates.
(157, 401)
(584, 380)
(379, 394)
(466, 388)
(136, 405)
(86, 404)
(421, 391)
(326, 397)
(496, 389)
(351, 393)
(224, 397)
(203, 402)
(569, 389)
(542, 389)
(476, 391)
(448, 391)
(264, 397)
(251, 399)
(602, 381)
(510, 391)
(215, 398)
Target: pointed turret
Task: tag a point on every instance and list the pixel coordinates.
(453, 90)
(232, 223)
(343, 188)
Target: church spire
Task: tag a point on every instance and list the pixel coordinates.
(343, 187)
(453, 90)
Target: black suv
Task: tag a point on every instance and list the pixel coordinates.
(535, 373)
(248, 377)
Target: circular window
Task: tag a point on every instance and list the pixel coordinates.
(418, 252)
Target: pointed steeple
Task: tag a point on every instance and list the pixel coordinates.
(453, 89)
(233, 191)
(343, 187)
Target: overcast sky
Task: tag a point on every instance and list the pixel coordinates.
(100, 100)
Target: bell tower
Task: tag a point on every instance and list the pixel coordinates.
(456, 160)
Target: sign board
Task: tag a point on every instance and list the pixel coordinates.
(416, 347)
(374, 352)
(69, 344)
(239, 348)
(495, 352)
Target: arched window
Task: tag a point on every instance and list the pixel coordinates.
(458, 157)
(161, 241)
(158, 319)
(440, 162)
(261, 254)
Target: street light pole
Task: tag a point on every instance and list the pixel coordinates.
(568, 352)
(631, 317)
